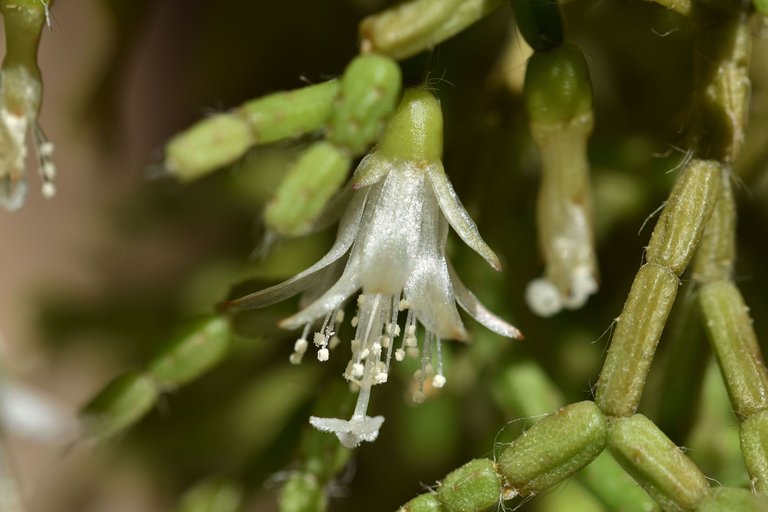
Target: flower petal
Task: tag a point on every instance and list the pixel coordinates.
(470, 303)
(460, 220)
(372, 168)
(348, 283)
(348, 228)
(428, 289)
(390, 230)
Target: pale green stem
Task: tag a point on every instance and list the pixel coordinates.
(656, 463)
(212, 495)
(412, 27)
(222, 139)
(639, 327)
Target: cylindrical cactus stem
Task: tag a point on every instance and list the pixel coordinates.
(735, 344)
(307, 187)
(412, 27)
(370, 87)
(656, 463)
(753, 433)
(639, 327)
(553, 449)
(223, 138)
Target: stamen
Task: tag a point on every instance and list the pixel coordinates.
(46, 167)
(300, 347)
(426, 356)
(438, 380)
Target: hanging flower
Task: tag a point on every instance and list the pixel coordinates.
(392, 241)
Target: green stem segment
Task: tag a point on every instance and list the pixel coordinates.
(412, 27)
(549, 452)
(131, 396)
(639, 327)
(224, 138)
(656, 463)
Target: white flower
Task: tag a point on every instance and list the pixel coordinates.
(20, 92)
(394, 232)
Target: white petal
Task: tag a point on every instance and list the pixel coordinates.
(428, 290)
(347, 284)
(460, 220)
(351, 433)
(372, 168)
(390, 231)
(348, 229)
(474, 307)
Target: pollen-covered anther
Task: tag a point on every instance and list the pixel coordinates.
(319, 339)
(354, 321)
(300, 346)
(403, 305)
(357, 370)
(399, 355)
(380, 377)
(438, 381)
(323, 354)
(299, 349)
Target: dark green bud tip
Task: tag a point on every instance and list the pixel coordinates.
(557, 86)
(540, 23)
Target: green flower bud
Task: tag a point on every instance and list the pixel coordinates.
(557, 87)
(415, 130)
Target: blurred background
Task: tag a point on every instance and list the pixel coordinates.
(95, 280)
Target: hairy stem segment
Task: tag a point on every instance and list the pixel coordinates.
(639, 327)
(549, 452)
(732, 336)
(656, 463)
(129, 397)
(527, 390)
(224, 138)
(723, 49)
(410, 28)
